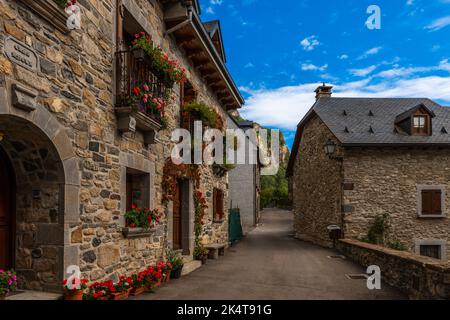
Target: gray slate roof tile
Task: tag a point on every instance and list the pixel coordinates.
(385, 110)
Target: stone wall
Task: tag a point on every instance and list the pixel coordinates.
(316, 185)
(386, 181)
(75, 84)
(418, 277)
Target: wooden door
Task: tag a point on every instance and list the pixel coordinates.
(6, 216)
(177, 217)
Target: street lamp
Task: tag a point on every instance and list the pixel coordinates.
(330, 149)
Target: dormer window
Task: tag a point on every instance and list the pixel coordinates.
(415, 121)
(420, 124)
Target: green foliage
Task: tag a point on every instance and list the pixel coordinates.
(202, 112)
(396, 245)
(61, 3)
(175, 259)
(378, 229)
(275, 189)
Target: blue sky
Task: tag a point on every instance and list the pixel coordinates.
(279, 51)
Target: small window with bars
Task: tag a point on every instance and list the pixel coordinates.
(432, 251)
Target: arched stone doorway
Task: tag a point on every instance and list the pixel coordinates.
(40, 199)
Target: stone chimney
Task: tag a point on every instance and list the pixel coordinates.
(323, 91)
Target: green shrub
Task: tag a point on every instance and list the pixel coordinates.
(202, 112)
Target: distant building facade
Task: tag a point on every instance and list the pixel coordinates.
(355, 159)
(244, 184)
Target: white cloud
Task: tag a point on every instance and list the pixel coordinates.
(343, 57)
(370, 52)
(216, 2)
(249, 65)
(312, 67)
(210, 10)
(438, 24)
(284, 107)
(309, 43)
(362, 72)
(410, 2)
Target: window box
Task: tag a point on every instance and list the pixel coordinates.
(51, 12)
(132, 233)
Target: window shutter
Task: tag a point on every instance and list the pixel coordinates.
(220, 204)
(427, 202)
(215, 204)
(436, 200)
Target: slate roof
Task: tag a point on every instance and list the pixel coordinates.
(380, 115)
(371, 122)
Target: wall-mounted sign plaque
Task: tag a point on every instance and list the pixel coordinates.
(21, 54)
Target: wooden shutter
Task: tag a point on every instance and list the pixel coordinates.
(220, 204)
(427, 202)
(431, 202)
(215, 204)
(436, 202)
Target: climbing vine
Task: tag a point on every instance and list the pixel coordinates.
(171, 173)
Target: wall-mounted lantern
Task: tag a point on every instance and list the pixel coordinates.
(330, 150)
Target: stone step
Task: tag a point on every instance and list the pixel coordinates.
(34, 295)
(190, 266)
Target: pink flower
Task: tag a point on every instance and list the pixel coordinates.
(146, 88)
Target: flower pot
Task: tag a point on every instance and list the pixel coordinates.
(167, 277)
(176, 273)
(2, 296)
(137, 291)
(204, 258)
(120, 295)
(139, 54)
(73, 295)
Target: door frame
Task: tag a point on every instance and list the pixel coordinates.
(12, 210)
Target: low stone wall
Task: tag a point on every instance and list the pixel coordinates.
(418, 277)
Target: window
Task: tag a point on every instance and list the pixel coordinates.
(433, 251)
(431, 202)
(432, 248)
(137, 189)
(420, 125)
(218, 205)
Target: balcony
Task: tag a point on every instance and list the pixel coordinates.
(134, 69)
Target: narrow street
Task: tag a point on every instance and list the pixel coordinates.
(270, 264)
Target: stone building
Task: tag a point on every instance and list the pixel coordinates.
(355, 160)
(75, 152)
(245, 186)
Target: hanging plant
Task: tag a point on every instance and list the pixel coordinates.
(163, 66)
(202, 112)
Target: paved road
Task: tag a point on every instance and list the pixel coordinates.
(270, 264)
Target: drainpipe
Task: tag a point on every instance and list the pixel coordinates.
(181, 24)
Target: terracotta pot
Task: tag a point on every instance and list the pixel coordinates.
(74, 295)
(137, 291)
(167, 277)
(204, 259)
(120, 295)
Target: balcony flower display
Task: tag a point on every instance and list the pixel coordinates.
(143, 100)
(169, 70)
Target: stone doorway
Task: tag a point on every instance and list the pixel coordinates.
(38, 205)
(181, 218)
(7, 211)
